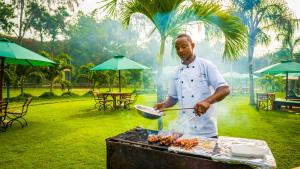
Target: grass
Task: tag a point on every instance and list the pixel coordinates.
(71, 133)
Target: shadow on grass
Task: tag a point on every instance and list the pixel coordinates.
(33, 136)
(93, 112)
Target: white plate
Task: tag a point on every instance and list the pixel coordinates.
(250, 151)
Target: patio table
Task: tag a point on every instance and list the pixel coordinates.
(115, 95)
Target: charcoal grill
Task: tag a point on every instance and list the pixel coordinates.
(131, 150)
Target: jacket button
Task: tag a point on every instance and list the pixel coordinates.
(182, 82)
(192, 95)
(183, 112)
(192, 80)
(193, 66)
(182, 96)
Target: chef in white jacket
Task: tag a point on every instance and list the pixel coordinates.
(197, 83)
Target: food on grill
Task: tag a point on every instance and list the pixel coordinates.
(153, 138)
(186, 143)
(164, 138)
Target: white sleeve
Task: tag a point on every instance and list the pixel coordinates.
(172, 87)
(215, 78)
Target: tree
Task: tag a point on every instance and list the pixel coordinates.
(39, 19)
(169, 17)
(84, 72)
(20, 7)
(23, 73)
(6, 13)
(260, 16)
(290, 43)
(56, 24)
(54, 74)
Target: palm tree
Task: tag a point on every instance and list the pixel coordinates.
(290, 43)
(56, 72)
(170, 16)
(84, 72)
(259, 17)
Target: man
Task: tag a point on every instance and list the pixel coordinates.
(197, 84)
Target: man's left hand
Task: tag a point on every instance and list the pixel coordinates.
(201, 107)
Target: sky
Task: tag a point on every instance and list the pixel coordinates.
(89, 5)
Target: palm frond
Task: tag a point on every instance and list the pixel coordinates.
(234, 31)
(262, 37)
(109, 7)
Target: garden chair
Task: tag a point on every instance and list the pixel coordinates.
(18, 115)
(96, 99)
(130, 100)
(3, 115)
(103, 102)
(265, 101)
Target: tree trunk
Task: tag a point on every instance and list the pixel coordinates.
(251, 44)
(20, 36)
(159, 75)
(94, 84)
(22, 86)
(51, 87)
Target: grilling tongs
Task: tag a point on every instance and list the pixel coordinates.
(151, 113)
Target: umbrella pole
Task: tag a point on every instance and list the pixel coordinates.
(119, 80)
(1, 77)
(286, 85)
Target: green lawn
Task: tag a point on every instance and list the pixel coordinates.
(71, 133)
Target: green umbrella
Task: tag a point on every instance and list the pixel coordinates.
(285, 67)
(119, 63)
(12, 53)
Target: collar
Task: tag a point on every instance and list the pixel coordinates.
(192, 64)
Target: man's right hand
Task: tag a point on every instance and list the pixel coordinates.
(159, 106)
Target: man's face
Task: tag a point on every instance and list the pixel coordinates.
(184, 48)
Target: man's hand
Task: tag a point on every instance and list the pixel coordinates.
(159, 106)
(201, 107)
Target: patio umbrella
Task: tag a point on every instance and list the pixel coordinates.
(12, 53)
(285, 67)
(119, 63)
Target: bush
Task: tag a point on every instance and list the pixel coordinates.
(48, 95)
(20, 97)
(69, 94)
(88, 94)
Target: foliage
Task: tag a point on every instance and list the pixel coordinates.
(21, 97)
(69, 94)
(25, 17)
(55, 74)
(170, 17)
(290, 43)
(48, 95)
(272, 83)
(259, 17)
(6, 13)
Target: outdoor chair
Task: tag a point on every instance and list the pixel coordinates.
(96, 99)
(130, 100)
(18, 115)
(265, 101)
(3, 115)
(292, 95)
(104, 102)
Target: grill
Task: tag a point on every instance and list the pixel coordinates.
(131, 150)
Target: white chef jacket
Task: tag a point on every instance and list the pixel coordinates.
(193, 83)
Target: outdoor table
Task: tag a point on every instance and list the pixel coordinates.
(115, 95)
(265, 98)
